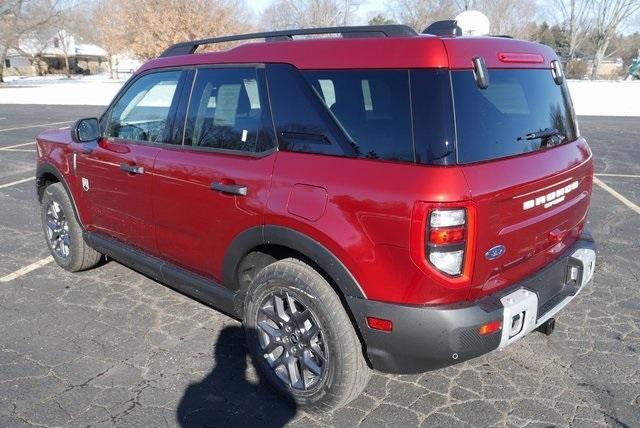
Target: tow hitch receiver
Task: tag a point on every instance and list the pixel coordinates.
(547, 327)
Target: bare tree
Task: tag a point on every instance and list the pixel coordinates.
(608, 16)
(309, 13)
(508, 17)
(576, 19)
(70, 23)
(19, 18)
(153, 25)
(420, 13)
(108, 31)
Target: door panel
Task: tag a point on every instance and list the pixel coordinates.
(195, 223)
(119, 201)
(216, 185)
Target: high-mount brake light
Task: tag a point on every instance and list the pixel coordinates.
(520, 57)
(446, 240)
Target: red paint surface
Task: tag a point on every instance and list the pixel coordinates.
(335, 53)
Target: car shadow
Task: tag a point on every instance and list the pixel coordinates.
(225, 397)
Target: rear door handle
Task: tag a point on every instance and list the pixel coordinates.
(132, 169)
(234, 189)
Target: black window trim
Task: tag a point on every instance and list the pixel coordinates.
(455, 118)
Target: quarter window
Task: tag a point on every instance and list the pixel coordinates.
(142, 113)
(373, 107)
(395, 115)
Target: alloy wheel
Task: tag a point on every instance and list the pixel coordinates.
(292, 340)
(58, 230)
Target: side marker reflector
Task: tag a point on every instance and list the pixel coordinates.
(379, 324)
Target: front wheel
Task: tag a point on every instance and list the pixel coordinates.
(301, 338)
(63, 232)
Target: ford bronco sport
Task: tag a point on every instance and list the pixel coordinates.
(375, 199)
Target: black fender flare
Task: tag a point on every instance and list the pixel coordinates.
(48, 168)
(289, 238)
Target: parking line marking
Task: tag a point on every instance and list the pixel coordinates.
(20, 150)
(617, 175)
(617, 195)
(25, 270)
(42, 125)
(17, 145)
(13, 183)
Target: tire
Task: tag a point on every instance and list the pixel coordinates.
(343, 374)
(63, 233)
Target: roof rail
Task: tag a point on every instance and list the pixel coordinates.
(186, 48)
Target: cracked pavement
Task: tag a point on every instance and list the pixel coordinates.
(112, 347)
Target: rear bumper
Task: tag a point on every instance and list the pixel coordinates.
(427, 338)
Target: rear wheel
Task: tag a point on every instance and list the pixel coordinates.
(301, 338)
(63, 232)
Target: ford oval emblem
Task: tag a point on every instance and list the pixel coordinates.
(495, 252)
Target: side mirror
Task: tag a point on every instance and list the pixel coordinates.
(86, 130)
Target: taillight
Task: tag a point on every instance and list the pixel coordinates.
(443, 241)
(446, 240)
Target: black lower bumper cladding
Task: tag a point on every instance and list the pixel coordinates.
(428, 338)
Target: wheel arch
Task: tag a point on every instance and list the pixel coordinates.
(46, 174)
(280, 242)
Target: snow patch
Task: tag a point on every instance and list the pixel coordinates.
(96, 90)
(590, 97)
(605, 97)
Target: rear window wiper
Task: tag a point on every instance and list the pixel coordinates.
(549, 135)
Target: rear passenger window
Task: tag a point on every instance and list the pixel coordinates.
(372, 106)
(225, 110)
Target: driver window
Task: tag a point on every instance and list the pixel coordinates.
(142, 113)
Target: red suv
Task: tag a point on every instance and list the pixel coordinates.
(374, 200)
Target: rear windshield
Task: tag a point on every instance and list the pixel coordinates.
(499, 121)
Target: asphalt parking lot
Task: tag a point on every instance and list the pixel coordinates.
(112, 347)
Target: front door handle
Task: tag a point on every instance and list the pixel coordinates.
(132, 169)
(234, 189)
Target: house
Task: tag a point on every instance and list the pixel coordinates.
(47, 56)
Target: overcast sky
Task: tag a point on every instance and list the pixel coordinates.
(368, 8)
